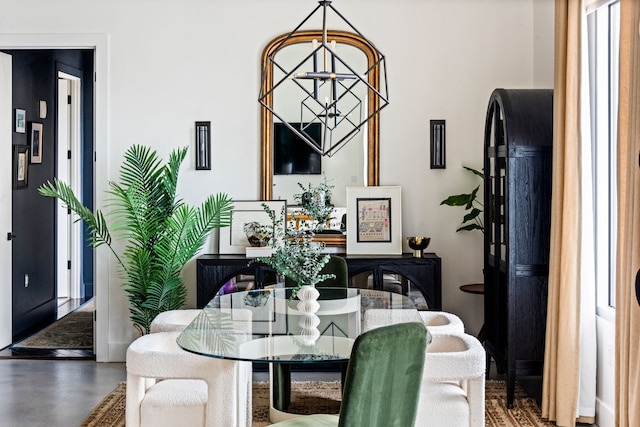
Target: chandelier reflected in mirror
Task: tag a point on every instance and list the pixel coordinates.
(327, 88)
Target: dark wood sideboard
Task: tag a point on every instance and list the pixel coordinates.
(425, 273)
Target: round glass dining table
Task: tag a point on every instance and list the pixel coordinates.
(264, 325)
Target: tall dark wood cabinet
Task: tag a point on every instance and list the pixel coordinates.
(517, 195)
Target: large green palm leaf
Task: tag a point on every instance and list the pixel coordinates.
(161, 233)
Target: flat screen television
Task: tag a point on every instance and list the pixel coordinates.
(293, 156)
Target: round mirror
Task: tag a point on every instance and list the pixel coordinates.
(355, 164)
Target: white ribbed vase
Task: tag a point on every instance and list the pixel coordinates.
(309, 321)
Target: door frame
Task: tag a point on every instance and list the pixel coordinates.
(69, 232)
(6, 130)
(100, 45)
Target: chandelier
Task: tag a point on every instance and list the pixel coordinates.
(330, 90)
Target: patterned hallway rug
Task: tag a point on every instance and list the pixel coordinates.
(323, 397)
(71, 332)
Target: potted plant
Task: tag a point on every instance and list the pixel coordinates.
(161, 232)
(295, 255)
(315, 202)
(472, 220)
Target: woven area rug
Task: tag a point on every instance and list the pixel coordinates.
(72, 332)
(323, 397)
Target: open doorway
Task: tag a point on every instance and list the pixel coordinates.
(50, 263)
(99, 45)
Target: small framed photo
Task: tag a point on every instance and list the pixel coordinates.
(20, 166)
(246, 215)
(374, 220)
(36, 142)
(21, 120)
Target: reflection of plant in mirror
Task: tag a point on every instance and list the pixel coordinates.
(316, 202)
(472, 219)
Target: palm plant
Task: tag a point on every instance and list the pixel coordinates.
(162, 233)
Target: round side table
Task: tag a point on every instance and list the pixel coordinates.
(475, 288)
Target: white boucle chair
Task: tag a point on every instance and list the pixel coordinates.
(437, 322)
(173, 320)
(194, 390)
(441, 322)
(453, 384)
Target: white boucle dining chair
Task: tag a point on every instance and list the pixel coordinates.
(452, 392)
(168, 386)
(441, 322)
(437, 322)
(173, 320)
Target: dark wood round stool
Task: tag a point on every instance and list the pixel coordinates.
(475, 288)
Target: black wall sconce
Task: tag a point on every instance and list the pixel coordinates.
(203, 145)
(437, 131)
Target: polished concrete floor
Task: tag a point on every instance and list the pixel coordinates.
(53, 393)
(62, 393)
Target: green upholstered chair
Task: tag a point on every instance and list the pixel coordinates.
(337, 266)
(382, 387)
(281, 379)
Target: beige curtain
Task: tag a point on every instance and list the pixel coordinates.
(627, 309)
(561, 380)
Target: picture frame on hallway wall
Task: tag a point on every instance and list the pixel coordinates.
(20, 166)
(36, 142)
(21, 120)
(374, 220)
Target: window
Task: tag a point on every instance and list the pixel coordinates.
(604, 35)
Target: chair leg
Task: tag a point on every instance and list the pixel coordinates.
(135, 393)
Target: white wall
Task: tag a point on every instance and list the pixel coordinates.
(171, 63)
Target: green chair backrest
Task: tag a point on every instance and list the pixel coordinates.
(337, 266)
(382, 386)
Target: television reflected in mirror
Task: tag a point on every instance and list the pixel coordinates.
(293, 156)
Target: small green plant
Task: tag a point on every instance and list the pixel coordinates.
(316, 202)
(472, 219)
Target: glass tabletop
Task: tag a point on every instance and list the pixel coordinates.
(265, 325)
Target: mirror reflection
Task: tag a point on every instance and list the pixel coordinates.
(355, 164)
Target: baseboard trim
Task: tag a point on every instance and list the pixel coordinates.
(118, 351)
(605, 416)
